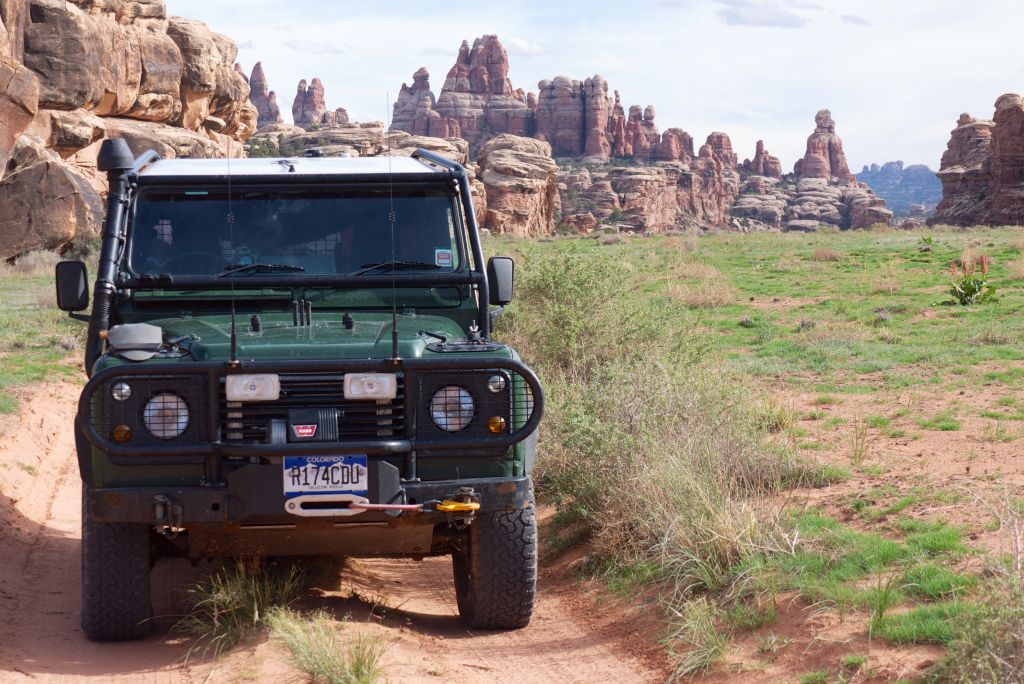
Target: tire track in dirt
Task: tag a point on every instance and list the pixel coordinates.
(40, 639)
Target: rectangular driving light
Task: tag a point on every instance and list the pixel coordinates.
(371, 385)
(266, 387)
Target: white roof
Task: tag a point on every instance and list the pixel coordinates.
(306, 166)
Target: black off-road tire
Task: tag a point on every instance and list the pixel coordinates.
(496, 573)
(116, 561)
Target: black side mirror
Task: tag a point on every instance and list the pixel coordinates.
(72, 286)
(500, 271)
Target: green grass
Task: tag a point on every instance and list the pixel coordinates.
(321, 649)
(944, 421)
(35, 337)
(233, 605)
(927, 624)
(931, 581)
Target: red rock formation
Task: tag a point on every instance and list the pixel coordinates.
(721, 149)
(824, 157)
(763, 163)
(74, 72)
(1007, 162)
(309, 105)
(597, 115)
(560, 116)
(676, 145)
(263, 98)
(521, 184)
(965, 173)
(479, 96)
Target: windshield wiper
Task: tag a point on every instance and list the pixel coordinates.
(398, 266)
(259, 268)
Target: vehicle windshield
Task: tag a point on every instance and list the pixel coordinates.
(284, 231)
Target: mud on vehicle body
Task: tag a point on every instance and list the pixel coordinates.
(293, 357)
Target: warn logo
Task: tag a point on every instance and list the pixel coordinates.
(305, 431)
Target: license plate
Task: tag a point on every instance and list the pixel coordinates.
(325, 475)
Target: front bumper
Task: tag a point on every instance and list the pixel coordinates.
(254, 498)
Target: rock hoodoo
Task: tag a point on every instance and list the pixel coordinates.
(822, 191)
(72, 73)
(263, 98)
(763, 164)
(476, 103)
(824, 157)
(982, 169)
(909, 191)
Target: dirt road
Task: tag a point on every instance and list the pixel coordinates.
(410, 605)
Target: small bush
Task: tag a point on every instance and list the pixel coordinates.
(969, 276)
(323, 652)
(709, 294)
(37, 262)
(827, 254)
(234, 604)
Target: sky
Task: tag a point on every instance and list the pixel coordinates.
(896, 74)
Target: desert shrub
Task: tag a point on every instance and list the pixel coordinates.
(969, 280)
(234, 604)
(322, 651)
(826, 254)
(644, 439)
(36, 262)
(1015, 269)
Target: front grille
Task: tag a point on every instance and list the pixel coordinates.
(251, 422)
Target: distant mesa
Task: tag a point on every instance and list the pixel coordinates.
(982, 169)
(911, 192)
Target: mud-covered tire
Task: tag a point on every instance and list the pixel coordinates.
(496, 572)
(116, 562)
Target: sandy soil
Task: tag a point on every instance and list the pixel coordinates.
(410, 605)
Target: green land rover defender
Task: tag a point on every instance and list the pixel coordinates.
(292, 357)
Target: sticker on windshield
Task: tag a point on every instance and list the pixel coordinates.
(443, 258)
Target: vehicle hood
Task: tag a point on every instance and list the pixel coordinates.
(327, 337)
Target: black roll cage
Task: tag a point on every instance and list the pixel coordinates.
(125, 181)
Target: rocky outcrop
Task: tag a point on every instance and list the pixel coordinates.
(982, 169)
(825, 192)
(479, 97)
(45, 201)
(763, 164)
(909, 191)
(74, 72)
(965, 174)
(263, 98)
(762, 205)
(309, 105)
(824, 157)
(521, 184)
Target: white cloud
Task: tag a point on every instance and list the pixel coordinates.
(854, 19)
(520, 46)
(700, 72)
(765, 13)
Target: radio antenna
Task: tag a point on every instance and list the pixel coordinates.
(391, 220)
(231, 238)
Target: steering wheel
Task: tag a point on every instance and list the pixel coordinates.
(198, 265)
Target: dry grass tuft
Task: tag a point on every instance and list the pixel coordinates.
(709, 294)
(697, 270)
(887, 281)
(1015, 269)
(36, 262)
(827, 254)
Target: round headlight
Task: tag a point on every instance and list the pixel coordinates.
(451, 407)
(496, 383)
(166, 415)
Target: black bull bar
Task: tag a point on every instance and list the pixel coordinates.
(525, 401)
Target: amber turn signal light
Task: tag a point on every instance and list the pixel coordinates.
(122, 433)
(496, 424)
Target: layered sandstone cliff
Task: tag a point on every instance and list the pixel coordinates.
(982, 169)
(72, 73)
